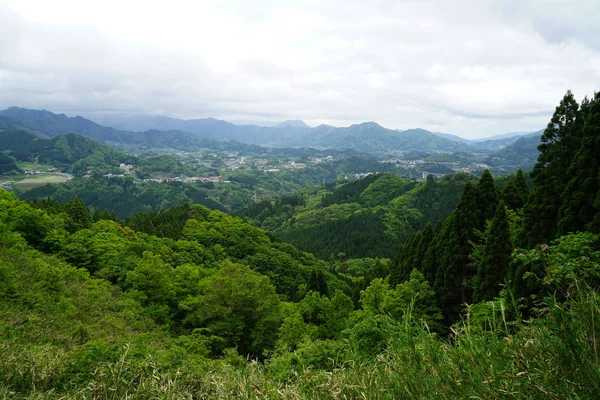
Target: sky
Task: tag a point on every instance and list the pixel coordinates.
(472, 68)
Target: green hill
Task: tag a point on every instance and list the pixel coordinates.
(369, 217)
(521, 154)
(70, 152)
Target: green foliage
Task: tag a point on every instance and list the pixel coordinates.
(123, 197)
(454, 273)
(177, 306)
(560, 142)
(572, 261)
(165, 325)
(7, 165)
(516, 192)
(521, 154)
(242, 307)
(368, 217)
(486, 198)
(580, 209)
(493, 267)
(71, 151)
(413, 301)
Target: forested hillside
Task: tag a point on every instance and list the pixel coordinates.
(499, 299)
(70, 152)
(369, 217)
(522, 153)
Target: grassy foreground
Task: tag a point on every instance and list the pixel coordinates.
(554, 357)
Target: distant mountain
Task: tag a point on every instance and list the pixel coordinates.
(450, 136)
(373, 138)
(368, 137)
(494, 144)
(522, 153)
(293, 124)
(7, 123)
(45, 124)
(58, 124)
(149, 132)
(505, 136)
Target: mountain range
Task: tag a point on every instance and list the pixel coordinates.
(368, 137)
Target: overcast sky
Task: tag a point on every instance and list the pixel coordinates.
(473, 68)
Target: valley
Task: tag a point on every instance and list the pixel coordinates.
(296, 265)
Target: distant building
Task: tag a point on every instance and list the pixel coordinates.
(126, 167)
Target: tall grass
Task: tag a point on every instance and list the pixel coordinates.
(555, 356)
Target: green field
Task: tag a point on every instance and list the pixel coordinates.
(29, 166)
(27, 183)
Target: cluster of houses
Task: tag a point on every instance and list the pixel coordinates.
(455, 166)
(186, 179)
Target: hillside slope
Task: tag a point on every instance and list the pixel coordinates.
(369, 217)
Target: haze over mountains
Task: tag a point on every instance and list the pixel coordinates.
(368, 137)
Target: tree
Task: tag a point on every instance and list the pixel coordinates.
(493, 268)
(516, 192)
(454, 274)
(580, 208)
(316, 282)
(415, 298)
(486, 198)
(373, 297)
(404, 259)
(427, 236)
(242, 307)
(80, 215)
(151, 283)
(559, 143)
(429, 265)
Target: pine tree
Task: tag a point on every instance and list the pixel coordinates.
(452, 283)
(560, 142)
(581, 199)
(317, 283)
(426, 238)
(80, 215)
(486, 198)
(493, 269)
(516, 192)
(402, 262)
(429, 265)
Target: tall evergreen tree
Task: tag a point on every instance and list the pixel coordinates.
(486, 198)
(80, 215)
(454, 274)
(560, 142)
(402, 262)
(493, 269)
(317, 282)
(425, 241)
(429, 265)
(581, 199)
(516, 192)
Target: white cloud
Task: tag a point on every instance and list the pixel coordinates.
(471, 68)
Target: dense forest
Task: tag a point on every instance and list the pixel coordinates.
(369, 217)
(491, 290)
(70, 152)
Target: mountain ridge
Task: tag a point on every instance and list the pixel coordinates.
(366, 137)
